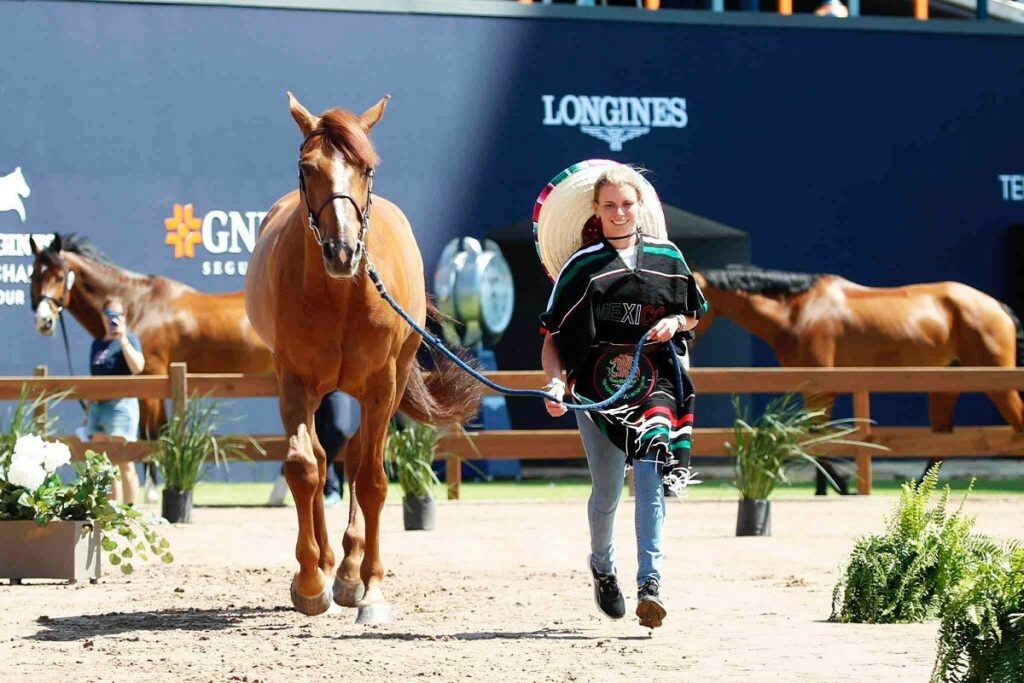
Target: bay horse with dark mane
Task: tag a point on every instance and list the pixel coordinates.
(174, 322)
(310, 298)
(827, 321)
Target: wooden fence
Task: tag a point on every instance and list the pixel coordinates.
(548, 444)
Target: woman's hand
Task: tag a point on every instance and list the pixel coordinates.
(556, 387)
(665, 329)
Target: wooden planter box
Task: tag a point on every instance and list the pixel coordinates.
(60, 550)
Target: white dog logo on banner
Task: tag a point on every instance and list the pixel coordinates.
(12, 189)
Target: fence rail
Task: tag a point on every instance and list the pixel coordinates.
(549, 444)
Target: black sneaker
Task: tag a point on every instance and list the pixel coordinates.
(607, 594)
(650, 609)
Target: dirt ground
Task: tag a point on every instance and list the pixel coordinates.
(499, 592)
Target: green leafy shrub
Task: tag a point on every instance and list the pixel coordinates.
(908, 573)
(981, 639)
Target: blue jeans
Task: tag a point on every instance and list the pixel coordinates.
(117, 417)
(607, 470)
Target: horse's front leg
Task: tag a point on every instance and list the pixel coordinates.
(370, 489)
(319, 518)
(348, 585)
(309, 591)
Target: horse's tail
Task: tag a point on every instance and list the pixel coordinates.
(448, 395)
(1020, 333)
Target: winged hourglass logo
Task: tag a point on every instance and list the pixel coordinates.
(615, 120)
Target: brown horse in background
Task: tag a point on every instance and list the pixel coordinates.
(309, 296)
(174, 322)
(826, 321)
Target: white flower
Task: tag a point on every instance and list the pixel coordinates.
(55, 454)
(25, 473)
(29, 448)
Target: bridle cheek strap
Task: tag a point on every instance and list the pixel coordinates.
(314, 216)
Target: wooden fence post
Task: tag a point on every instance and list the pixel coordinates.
(40, 413)
(862, 411)
(179, 388)
(453, 476)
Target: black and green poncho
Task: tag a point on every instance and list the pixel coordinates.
(598, 311)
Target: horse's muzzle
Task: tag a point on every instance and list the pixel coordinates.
(339, 259)
(44, 326)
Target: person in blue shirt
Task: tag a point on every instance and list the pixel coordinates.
(117, 352)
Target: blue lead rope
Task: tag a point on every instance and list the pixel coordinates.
(439, 345)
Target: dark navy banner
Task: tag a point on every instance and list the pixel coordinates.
(162, 133)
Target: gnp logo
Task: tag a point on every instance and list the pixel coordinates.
(218, 232)
(614, 119)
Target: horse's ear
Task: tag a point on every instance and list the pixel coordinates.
(307, 122)
(373, 115)
(33, 246)
(55, 244)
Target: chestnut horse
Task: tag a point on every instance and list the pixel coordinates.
(309, 297)
(173, 321)
(826, 321)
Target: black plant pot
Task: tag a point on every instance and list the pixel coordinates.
(176, 506)
(418, 513)
(754, 518)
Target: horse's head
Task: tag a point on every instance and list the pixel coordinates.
(17, 179)
(52, 280)
(336, 162)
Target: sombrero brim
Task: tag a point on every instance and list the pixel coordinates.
(565, 205)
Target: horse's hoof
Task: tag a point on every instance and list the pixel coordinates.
(348, 594)
(374, 613)
(311, 605)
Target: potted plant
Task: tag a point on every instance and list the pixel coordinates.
(763, 450)
(58, 529)
(186, 444)
(409, 454)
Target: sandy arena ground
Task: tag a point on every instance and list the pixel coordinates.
(499, 592)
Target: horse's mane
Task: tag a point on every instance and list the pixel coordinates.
(344, 132)
(78, 244)
(754, 280)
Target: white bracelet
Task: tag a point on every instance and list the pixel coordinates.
(555, 382)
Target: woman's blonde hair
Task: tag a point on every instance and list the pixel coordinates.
(620, 176)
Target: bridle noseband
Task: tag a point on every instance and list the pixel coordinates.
(314, 216)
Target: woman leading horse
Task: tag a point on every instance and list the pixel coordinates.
(310, 299)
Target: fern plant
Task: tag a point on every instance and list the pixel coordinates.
(981, 639)
(908, 573)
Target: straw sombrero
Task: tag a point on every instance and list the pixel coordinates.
(566, 204)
